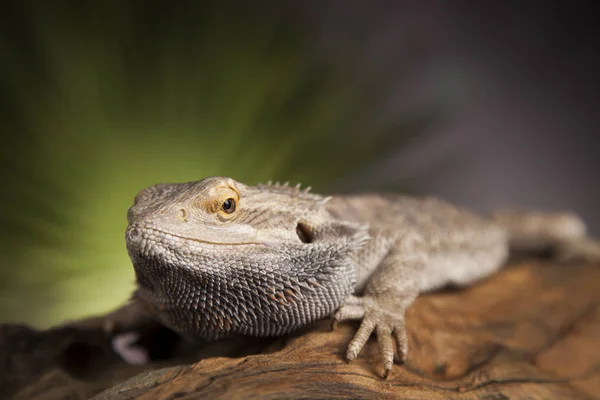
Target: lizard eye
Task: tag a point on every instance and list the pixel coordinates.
(228, 206)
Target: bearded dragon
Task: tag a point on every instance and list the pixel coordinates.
(217, 258)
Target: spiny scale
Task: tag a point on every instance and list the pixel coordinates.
(247, 292)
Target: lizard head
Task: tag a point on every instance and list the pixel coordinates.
(217, 257)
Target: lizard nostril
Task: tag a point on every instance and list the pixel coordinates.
(182, 214)
(134, 235)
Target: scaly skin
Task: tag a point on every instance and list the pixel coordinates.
(216, 258)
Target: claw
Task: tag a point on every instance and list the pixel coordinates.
(350, 355)
(334, 324)
(386, 373)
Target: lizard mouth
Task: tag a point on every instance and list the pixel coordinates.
(140, 236)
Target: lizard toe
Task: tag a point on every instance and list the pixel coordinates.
(347, 312)
(401, 343)
(354, 300)
(360, 338)
(384, 337)
(125, 346)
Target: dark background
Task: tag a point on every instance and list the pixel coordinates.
(487, 104)
(526, 126)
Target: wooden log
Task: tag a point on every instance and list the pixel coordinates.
(531, 331)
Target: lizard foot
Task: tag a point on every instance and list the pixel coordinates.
(133, 354)
(379, 319)
(579, 249)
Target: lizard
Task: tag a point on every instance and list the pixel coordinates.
(216, 258)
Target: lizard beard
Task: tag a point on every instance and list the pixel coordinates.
(214, 291)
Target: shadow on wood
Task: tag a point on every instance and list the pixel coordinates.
(531, 331)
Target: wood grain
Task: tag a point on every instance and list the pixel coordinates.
(530, 332)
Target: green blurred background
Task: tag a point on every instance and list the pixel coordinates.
(486, 104)
(100, 99)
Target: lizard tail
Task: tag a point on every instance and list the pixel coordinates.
(564, 232)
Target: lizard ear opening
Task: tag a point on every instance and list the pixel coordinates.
(304, 233)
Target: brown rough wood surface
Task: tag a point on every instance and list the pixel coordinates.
(530, 332)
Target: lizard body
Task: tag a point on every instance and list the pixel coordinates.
(216, 258)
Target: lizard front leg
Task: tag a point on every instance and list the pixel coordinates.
(123, 327)
(389, 292)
